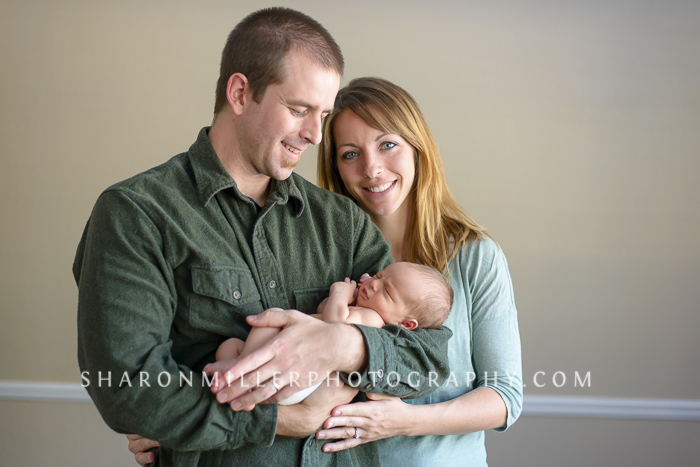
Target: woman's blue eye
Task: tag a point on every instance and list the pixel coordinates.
(349, 155)
(388, 145)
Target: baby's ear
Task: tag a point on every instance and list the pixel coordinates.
(409, 323)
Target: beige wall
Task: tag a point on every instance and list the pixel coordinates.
(569, 129)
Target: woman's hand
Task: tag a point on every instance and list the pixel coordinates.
(383, 417)
(138, 445)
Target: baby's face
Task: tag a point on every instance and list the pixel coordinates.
(387, 291)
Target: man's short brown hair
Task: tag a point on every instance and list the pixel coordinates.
(258, 46)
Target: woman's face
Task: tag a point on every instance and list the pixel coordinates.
(377, 169)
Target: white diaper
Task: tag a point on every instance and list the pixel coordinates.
(300, 396)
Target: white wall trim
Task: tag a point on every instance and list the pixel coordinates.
(544, 406)
(612, 407)
(43, 391)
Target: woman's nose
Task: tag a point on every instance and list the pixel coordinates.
(373, 167)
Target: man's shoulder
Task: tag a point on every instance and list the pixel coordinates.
(164, 176)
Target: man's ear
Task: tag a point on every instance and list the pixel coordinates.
(409, 323)
(238, 92)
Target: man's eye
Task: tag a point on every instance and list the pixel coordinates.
(296, 113)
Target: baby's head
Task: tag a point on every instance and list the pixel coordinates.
(408, 294)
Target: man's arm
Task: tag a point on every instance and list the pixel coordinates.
(391, 360)
(401, 363)
(127, 302)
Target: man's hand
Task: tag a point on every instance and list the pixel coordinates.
(139, 447)
(305, 352)
(303, 419)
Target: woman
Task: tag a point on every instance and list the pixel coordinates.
(378, 150)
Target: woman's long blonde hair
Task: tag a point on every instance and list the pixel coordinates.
(438, 226)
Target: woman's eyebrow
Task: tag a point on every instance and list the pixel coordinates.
(356, 146)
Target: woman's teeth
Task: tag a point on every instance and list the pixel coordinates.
(380, 188)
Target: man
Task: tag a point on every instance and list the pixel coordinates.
(173, 260)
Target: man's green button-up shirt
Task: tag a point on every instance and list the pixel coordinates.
(170, 264)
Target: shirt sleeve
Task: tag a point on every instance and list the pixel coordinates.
(495, 335)
(401, 363)
(127, 301)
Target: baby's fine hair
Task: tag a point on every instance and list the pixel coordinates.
(432, 306)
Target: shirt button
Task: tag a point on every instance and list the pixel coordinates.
(272, 284)
(236, 294)
(380, 373)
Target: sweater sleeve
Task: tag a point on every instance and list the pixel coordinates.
(127, 301)
(495, 335)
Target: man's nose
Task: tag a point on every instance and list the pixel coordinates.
(311, 131)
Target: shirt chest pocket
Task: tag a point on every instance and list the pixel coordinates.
(307, 300)
(222, 297)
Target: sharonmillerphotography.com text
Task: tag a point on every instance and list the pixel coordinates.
(164, 379)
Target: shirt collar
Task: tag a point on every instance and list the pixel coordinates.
(211, 177)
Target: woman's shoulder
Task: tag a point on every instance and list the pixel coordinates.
(478, 250)
(480, 265)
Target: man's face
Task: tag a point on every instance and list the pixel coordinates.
(288, 117)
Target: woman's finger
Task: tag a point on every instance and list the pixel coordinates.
(334, 422)
(342, 444)
(357, 409)
(344, 432)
